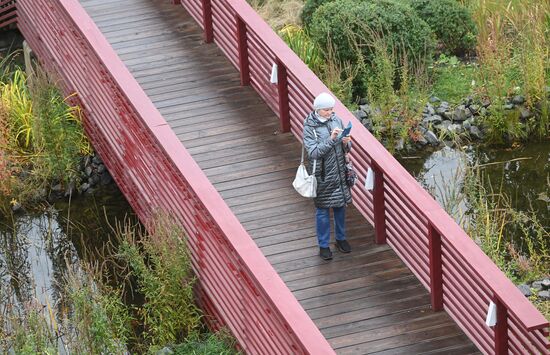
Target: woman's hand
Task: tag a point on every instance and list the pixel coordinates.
(346, 140)
(334, 134)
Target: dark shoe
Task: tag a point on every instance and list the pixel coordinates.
(325, 253)
(343, 246)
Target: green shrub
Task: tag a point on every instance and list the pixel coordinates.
(351, 28)
(451, 22)
(309, 8)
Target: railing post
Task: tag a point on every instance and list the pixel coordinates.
(436, 273)
(501, 328)
(379, 205)
(243, 52)
(282, 86)
(207, 21)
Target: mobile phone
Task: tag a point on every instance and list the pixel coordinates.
(346, 131)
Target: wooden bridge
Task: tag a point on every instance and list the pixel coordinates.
(178, 103)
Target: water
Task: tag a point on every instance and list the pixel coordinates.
(36, 248)
(521, 173)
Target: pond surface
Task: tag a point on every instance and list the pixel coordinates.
(35, 248)
(521, 173)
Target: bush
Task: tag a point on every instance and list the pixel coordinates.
(309, 8)
(451, 22)
(350, 26)
(353, 29)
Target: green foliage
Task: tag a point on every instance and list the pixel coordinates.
(354, 29)
(309, 8)
(298, 40)
(221, 343)
(161, 266)
(452, 80)
(491, 221)
(100, 319)
(32, 335)
(451, 22)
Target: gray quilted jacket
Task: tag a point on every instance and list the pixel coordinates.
(332, 190)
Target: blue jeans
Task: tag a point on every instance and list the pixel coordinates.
(322, 219)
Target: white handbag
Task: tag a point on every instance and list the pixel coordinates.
(305, 184)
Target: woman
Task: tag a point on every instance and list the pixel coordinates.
(321, 141)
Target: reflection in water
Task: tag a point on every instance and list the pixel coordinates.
(36, 248)
(522, 174)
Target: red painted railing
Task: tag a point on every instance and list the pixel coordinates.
(8, 13)
(236, 283)
(461, 278)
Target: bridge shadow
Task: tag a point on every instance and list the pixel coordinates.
(363, 302)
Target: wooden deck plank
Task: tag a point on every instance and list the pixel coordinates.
(363, 302)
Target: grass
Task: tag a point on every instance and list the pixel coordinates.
(453, 80)
(41, 136)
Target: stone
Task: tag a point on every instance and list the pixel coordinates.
(486, 102)
(93, 180)
(57, 188)
(461, 113)
(89, 170)
(509, 106)
(366, 108)
(431, 138)
(466, 125)
(545, 284)
(434, 99)
(84, 187)
(400, 144)
(518, 100)
(421, 140)
(456, 128)
(525, 290)
(474, 109)
(164, 351)
(525, 113)
(70, 189)
(101, 168)
(544, 295)
(476, 133)
(97, 160)
(429, 109)
(537, 285)
(105, 178)
(434, 120)
(16, 207)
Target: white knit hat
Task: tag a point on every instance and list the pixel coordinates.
(323, 100)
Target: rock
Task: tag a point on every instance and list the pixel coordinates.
(518, 100)
(474, 109)
(508, 106)
(525, 290)
(57, 188)
(93, 180)
(537, 285)
(16, 207)
(97, 160)
(101, 168)
(467, 124)
(366, 108)
(545, 284)
(544, 295)
(432, 138)
(486, 102)
(476, 132)
(105, 178)
(434, 99)
(164, 351)
(461, 113)
(434, 120)
(89, 170)
(367, 123)
(360, 114)
(455, 128)
(400, 144)
(421, 140)
(429, 109)
(70, 189)
(363, 101)
(84, 187)
(525, 113)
